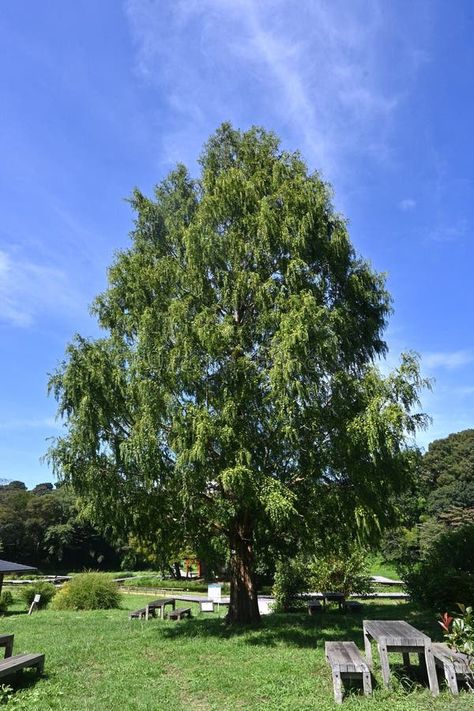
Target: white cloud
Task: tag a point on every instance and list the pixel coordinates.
(447, 359)
(28, 289)
(453, 232)
(407, 204)
(317, 75)
(32, 423)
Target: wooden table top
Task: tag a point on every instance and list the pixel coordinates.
(395, 632)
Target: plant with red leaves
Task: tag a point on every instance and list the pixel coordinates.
(445, 622)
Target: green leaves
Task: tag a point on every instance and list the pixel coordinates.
(235, 380)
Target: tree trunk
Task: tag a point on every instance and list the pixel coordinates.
(243, 608)
(177, 570)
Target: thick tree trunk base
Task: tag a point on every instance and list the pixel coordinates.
(243, 607)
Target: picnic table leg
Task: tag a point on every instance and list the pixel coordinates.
(337, 685)
(9, 648)
(406, 659)
(367, 648)
(450, 676)
(431, 669)
(383, 653)
(367, 683)
(147, 613)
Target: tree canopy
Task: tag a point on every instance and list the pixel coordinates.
(234, 396)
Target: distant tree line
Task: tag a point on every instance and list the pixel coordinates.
(46, 527)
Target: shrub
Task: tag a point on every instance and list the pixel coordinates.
(46, 590)
(291, 579)
(458, 630)
(345, 572)
(88, 591)
(6, 599)
(445, 574)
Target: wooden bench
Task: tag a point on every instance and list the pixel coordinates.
(13, 664)
(140, 614)
(314, 606)
(353, 606)
(6, 640)
(179, 613)
(347, 662)
(454, 665)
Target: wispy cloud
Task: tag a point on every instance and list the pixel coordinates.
(43, 423)
(456, 231)
(447, 359)
(28, 289)
(407, 204)
(320, 73)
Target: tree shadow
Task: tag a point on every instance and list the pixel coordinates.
(299, 629)
(23, 679)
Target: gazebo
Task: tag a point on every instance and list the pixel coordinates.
(7, 567)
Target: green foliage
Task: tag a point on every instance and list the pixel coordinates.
(344, 571)
(46, 590)
(88, 591)
(433, 547)
(6, 694)
(444, 575)
(459, 630)
(46, 527)
(448, 474)
(234, 393)
(291, 580)
(6, 599)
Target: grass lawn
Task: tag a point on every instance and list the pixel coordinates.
(102, 660)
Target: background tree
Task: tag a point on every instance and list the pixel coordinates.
(434, 545)
(46, 527)
(234, 394)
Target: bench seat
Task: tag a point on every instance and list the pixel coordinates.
(10, 665)
(347, 662)
(353, 606)
(314, 606)
(179, 613)
(454, 665)
(138, 613)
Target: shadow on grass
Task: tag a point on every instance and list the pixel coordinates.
(300, 629)
(24, 679)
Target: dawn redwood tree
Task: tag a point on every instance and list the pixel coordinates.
(234, 393)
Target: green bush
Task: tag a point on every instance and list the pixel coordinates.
(6, 599)
(291, 580)
(345, 572)
(88, 591)
(445, 574)
(46, 590)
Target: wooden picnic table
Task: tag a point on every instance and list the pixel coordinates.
(328, 596)
(160, 605)
(401, 637)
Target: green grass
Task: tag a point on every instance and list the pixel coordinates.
(379, 567)
(103, 661)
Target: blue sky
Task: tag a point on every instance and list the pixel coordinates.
(99, 97)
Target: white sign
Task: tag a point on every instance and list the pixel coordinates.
(214, 592)
(207, 606)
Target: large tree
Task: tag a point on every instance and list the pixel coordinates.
(234, 393)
